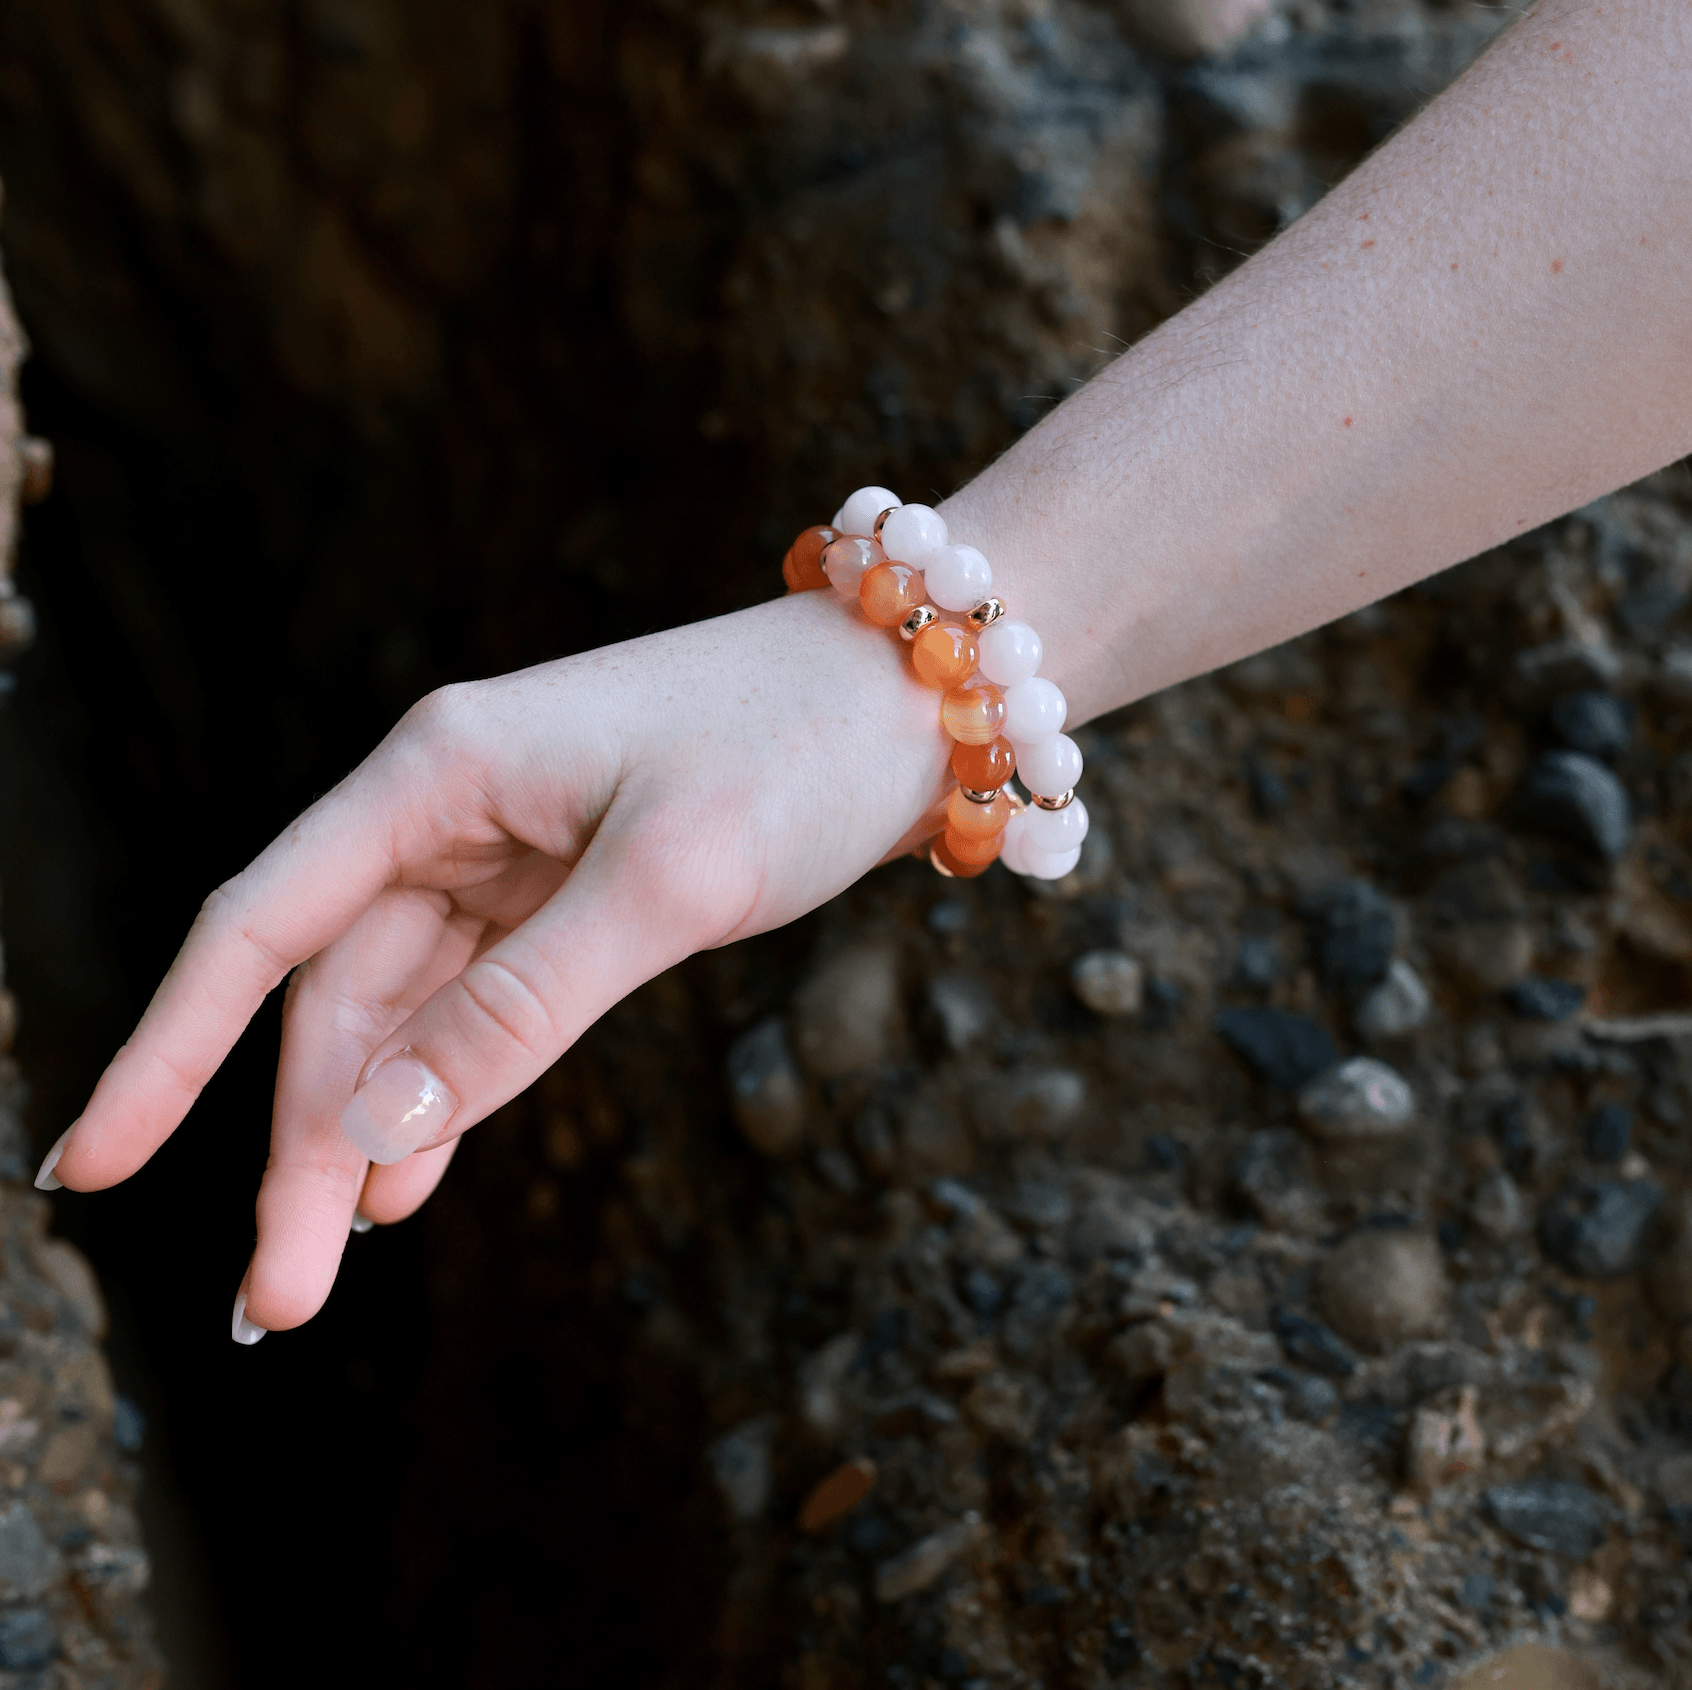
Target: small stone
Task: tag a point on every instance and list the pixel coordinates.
(1395, 1007)
(964, 1008)
(740, 1463)
(1555, 1516)
(919, 1566)
(1313, 1399)
(1257, 966)
(1107, 982)
(765, 1089)
(1609, 1133)
(838, 1494)
(1356, 1100)
(1577, 798)
(1312, 1344)
(1383, 1286)
(1356, 937)
(1596, 723)
(1445, 1441)
(846, 1014)
(27, 1640)
(1541, 998)
(1283, 1049)
(1497, 1209)
(1598, 1230)
(28, 1562)
(1031, 1103)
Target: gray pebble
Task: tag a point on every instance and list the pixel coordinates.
(1357, 1099)
(1383, 1286)
(1108, 982)
(1398, 1005)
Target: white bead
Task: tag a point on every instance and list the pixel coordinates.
(858, 514)
(835, 521)
(957, 577)
(1057, 830)
(1010, 651)
(913, 534)
(1050, 865)
(1034, 709)
(1049, 767)
(1016, 842)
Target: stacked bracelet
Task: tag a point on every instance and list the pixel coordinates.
(890, 559)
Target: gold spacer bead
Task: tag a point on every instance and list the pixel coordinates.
(1061, 802)
(924, 616)
(939, 867)
(977, 796)
(882, 518)
(986, 613)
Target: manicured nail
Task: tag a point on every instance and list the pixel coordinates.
(242, 1330)
(361, 1223)
(47, 1180)
(401, 1107)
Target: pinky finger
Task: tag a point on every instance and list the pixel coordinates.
(400, 1189)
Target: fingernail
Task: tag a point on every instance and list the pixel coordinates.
(242, 1330)
(402, 1106)
(47, 1180)
(361, 1223)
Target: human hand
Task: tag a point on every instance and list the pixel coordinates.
(514, 858)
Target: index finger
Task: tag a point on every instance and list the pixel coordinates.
(303, 891)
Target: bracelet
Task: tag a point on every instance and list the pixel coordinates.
(889, 559)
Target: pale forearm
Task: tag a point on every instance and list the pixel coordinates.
(1487, 324)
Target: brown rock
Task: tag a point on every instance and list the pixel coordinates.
(1381, 1287)
(836, 1496)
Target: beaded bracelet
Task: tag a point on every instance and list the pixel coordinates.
(889, 558)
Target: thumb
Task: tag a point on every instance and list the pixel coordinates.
(508, 1016)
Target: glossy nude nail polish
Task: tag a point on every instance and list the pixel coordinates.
(401, 1107)
(47, 1180)
(242, 1330)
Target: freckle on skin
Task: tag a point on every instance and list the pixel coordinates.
(1348, 422)
(1368, 244)
(1556, 266)
(1454, 265)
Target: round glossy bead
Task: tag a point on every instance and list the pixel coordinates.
(959, 577)
(977, 821)
(1010, 652)
(1035, 709)
(955, 864)
(974, 712)
(1048, 865)
(858, 514)
(1014, 842)
(1049, 767)
(913, 534)
(846, 561)
(944, 655)
(802, 568)
(1057, 830)
(984, 767)
(975, 852)
(889, 593)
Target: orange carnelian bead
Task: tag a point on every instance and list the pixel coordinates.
(977, 821)
(944, 655)
(984, 767)
(889, 593)
(802, 568)
(974, 712)
(954, 864)
(974, 853)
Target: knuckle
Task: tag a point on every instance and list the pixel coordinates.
(443, 716)
(509, 1005)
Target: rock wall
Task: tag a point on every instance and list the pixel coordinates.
(72, 1563)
